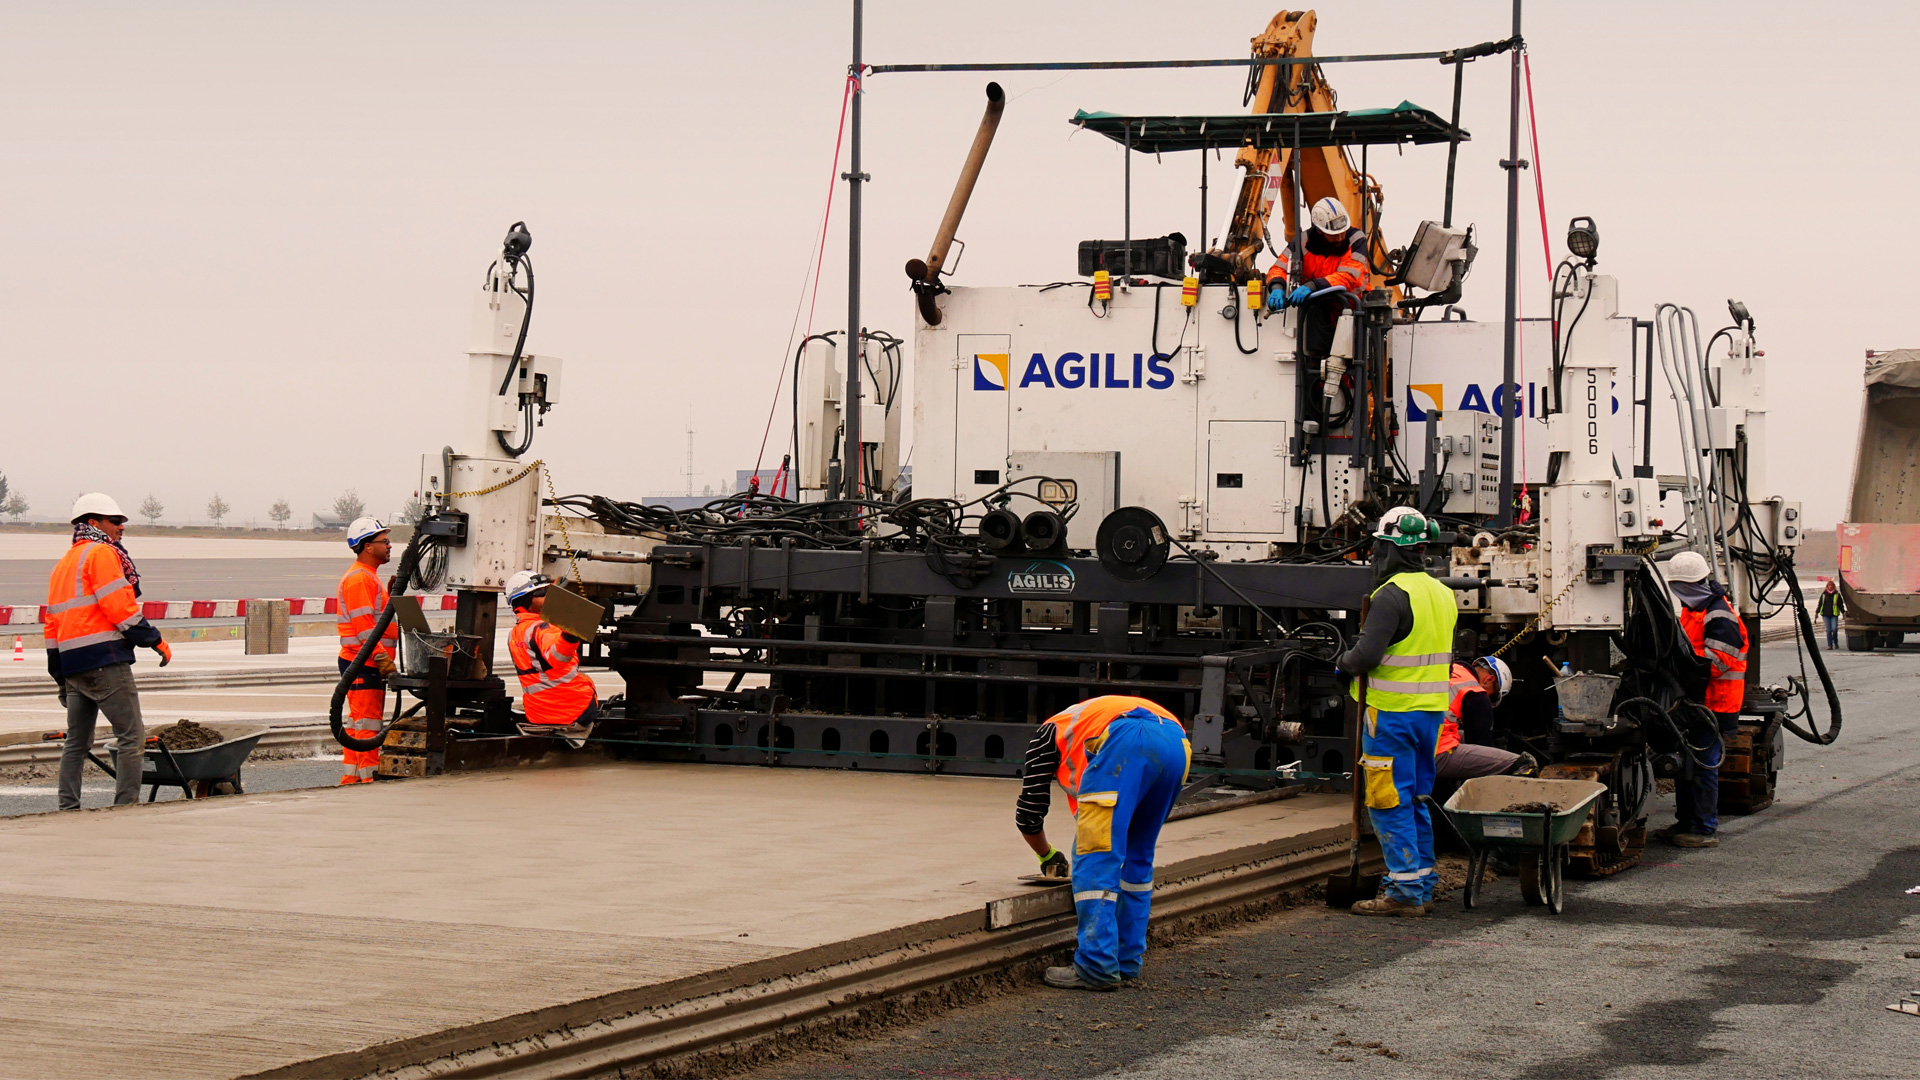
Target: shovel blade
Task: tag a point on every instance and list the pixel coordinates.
(1345, 889)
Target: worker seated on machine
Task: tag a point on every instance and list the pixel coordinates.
(558, 697)
(1462, 751)
(1333, 256)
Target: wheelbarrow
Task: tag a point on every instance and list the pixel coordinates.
(1532, 820)
(199, 772)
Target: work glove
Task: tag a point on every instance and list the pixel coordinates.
(165, 651)
(1054, 864)
(63, 693)
(1276, 300)
(384, 665)
(1299, 294)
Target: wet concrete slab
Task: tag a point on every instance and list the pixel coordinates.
(244, 934)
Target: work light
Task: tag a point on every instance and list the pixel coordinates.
(1583, 239)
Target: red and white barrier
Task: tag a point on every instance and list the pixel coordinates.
(169, 610)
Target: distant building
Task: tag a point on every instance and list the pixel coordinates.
(328, 523)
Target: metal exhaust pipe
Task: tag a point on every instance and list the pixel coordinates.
(926, 275)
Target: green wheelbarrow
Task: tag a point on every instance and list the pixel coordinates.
(1532, 820)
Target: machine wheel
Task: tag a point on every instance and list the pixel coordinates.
(1533, 882)
(1859, 641)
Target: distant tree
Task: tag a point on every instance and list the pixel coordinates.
(349, 506)
(217, 508)
(15, 506)
(4, 491)
(414, 512)
(280, 512)
(152, 509)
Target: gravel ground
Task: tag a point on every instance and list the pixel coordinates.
(1774, 954)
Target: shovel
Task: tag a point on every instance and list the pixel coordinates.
(1345, 890)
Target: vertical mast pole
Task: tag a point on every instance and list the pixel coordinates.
(1507, 395)
(850, 469)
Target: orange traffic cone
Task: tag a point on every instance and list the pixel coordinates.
(19, 649)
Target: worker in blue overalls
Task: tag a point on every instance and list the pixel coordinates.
(1405, 653)
(1122, 761)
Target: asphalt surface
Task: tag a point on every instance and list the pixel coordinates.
(1774, 954)
(96, 788)
(24, 581)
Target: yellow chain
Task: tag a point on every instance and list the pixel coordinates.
(565, 540)
(510, 481)
(1540, 619)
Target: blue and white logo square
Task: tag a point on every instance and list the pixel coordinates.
(990, 371)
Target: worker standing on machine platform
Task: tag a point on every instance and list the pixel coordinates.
(1333, 255)
(93, 623)
(362, 598)
(555, 691)
(1122, 762)
(1719, 637)
(1462, 752)
(1404, 654)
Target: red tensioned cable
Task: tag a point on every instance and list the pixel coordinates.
(846, 95)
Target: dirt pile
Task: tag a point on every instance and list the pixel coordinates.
(1532, 807)
(187, 735)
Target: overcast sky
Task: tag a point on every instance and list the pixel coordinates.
(242, 238)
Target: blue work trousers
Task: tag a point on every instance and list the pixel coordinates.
(1833, 630)
(1125, 794)
(1696, 798)
(1397, 756)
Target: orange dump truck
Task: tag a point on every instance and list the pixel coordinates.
(1879, 570)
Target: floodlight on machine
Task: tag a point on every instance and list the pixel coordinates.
(1583, 239)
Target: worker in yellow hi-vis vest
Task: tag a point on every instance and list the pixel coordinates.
(1405, 652)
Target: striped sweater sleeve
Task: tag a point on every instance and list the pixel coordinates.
(1043, 760)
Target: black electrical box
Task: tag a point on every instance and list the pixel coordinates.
(1161, 256)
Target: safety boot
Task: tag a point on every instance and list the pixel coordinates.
(1068, 978)
(1389, 908)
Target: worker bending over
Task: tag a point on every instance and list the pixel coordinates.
(1462, 752)
(362, 599)
(554, 689)
(1122, 762)
(1404, 655)
(1333, 255)
(93, 623)
(1719, 637)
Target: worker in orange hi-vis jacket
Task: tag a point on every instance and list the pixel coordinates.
(1333, 257)
(555, 691)
(362, 598)
(93, 622)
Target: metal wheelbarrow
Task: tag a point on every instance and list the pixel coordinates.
(1546, 816)
(199, 772)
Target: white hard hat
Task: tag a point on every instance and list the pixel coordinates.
(362, 529)
(1330, 217)
(1404, 526)
(1502, 676)
(1688, 566)
(94, 504)
(523, 583)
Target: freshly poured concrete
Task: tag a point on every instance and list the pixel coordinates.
(235, 935)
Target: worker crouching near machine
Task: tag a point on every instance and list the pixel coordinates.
(1121, 761)
(1402, 661)
(1462, 752)
(1720, 638)
(555, 692)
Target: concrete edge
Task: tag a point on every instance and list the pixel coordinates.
(691, 1014)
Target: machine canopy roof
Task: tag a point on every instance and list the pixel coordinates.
(1404, 123)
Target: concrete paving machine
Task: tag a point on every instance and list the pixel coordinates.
(1149, 480)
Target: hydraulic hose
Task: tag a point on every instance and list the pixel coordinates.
(409, 561)
(1819, 664)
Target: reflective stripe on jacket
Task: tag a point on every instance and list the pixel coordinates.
(362, 599)
(1462, 683)
(93, 618)
(1079, 730)
(1414, 674)
(1325, 263)
(1718, 635)
(548, 663)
